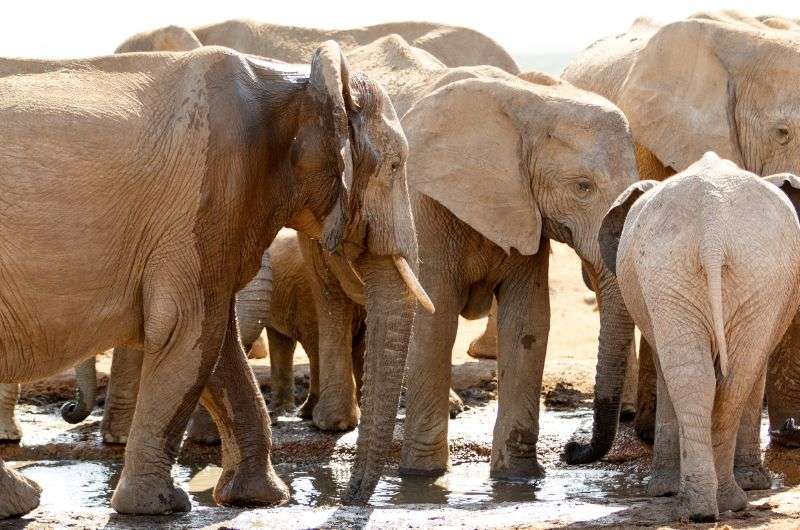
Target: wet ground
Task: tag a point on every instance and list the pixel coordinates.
(78, 473)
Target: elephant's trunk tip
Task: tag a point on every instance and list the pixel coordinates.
(411, 281)
(74, 412)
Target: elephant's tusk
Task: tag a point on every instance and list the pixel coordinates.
(413, 283)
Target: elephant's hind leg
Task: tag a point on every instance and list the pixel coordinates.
(646, 395)
(666, 476)
(18, 494)
(748, 469)
(234, 400)
(281, 370)
(485, 346)
(123, 387)
(9, 426)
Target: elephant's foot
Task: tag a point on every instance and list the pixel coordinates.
(283, 407)
(484, 347)
(340, 413)
(731, 497)
(752, 477)
(114, 438)
(519, 469)
(18, 494)
(664, 483)
(306, 410)
(10, 431)
(427, 463)
(697, 504)
(645, 422)
(202, 429)
(787, 435)
(115, 427)
(456, 406)
(149, 495)
(249, 485)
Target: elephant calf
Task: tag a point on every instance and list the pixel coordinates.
(708, 263)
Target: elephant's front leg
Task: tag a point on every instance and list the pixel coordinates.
(18, 494)
(630, 390)
(523, 325)
(123, 387)
(234, 401)
(646, 395)
(337, 408)
(665, 478)
(747, 466)
(281, 372)
(9, 426)
(425, 450)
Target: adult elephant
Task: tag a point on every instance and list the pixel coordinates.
(159, 211)
(454, 46)
(733, 94)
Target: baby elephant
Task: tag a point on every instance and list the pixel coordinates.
(708, 263)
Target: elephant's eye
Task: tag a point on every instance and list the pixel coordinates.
(583, 187)
(782, 135)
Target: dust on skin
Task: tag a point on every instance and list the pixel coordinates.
(618, 499)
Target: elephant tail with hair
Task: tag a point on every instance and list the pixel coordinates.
(712, 257)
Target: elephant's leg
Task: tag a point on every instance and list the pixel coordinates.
(425, 451)
(686, 362)
(485, 346)
(202, 429)
(235, 402)
(523, 321)
(783, 388)
(18, 494)
(182, 343)
(281, 370)
(646, 395)
(307, 408)
(629, 391)
(666, 476)
(748, 469)
(123, 387)
(337, 408)
(10, 430)
(728, 408)
(359, 349)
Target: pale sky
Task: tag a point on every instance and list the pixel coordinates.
(54, 29)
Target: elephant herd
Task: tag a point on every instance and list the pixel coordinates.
(143, 196)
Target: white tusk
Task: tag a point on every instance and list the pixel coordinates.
(413, 283)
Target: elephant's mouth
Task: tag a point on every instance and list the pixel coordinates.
(558, 232)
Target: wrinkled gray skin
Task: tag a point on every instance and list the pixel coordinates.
(734, 94)
(708, 263)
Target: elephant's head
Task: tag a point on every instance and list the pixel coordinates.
(705, 85)
(356, 204)
(167, 39)
(519, 161)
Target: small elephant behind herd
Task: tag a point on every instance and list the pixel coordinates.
(424, 175)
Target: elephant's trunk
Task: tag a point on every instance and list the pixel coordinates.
(616, 336)
(77, 410)
(390, 314)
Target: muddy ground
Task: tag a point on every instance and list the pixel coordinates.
(78, 472)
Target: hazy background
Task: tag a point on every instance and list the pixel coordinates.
(541, 35)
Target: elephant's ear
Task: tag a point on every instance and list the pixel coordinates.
(679, 96)
(614, 221)
(330, 82)
(467, 154)
(790, 185)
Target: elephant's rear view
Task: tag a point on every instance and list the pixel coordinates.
(708, 263)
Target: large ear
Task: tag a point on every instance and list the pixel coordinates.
(614, 221)
(467, 153)
(679, 97)
(790, 185)
(330, 82)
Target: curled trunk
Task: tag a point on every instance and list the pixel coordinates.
(75, 411)
(616, 338)
(390, 313)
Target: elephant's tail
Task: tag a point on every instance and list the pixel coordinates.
(712, 258)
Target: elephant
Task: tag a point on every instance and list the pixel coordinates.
(454, 46)
(708, 263)
(167, 176)
(732, 95)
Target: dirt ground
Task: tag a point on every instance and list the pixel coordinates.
(78, 472)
